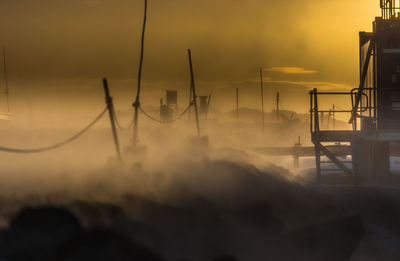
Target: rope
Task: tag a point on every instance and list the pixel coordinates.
(55, 146)
(119, 125)
(164, 122)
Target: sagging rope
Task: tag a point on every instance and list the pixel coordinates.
(119, 125)
(167, 121)
(55, 146)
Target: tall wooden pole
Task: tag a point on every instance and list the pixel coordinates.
(277, 106)
(136, 104)
(334, 117)
(111, 112)
(329, 117)
(194, 93)
(262, 98)
(208, 105)
(190, 99)
(237, 103)
(5, 78)
(316, 140)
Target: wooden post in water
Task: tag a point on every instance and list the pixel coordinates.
(262, 98)
(277, 106)
(329, 117)
(333, 117)
(296, 154)
(136, 104)
(190, 100)
(193, 88)
(111, 112)
(208, 105)
(237, 103)
(5, 78)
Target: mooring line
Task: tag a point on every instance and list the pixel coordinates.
(55, 146)
(167, 121)
(119, 124)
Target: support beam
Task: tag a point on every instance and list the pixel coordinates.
(333, 158)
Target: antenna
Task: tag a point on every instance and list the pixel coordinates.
(5, 79)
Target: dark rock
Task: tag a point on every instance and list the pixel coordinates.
(332, 241)
(104, 245)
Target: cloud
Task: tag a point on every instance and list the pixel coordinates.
(332, 86)
(91, 1)
(291, 70)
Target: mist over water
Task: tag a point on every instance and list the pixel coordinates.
(180, 199)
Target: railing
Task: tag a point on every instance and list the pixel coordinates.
(389, 8)
(363, 107)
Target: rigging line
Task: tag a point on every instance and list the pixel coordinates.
(164, 122)
(119, 125)
(55, 146)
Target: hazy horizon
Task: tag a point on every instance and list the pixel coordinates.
(58, 50)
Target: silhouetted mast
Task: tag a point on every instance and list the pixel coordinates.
(334, 116)
(194, 93)
(277, 106)
(136, 104)
(262, 98)
(237, 103)
(190, 99)
(5, 78)
(111, 112)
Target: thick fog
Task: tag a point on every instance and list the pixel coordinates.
(178, 196)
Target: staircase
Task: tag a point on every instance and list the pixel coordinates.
(336, 156)
(337, 164)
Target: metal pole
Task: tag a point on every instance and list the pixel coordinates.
(161, 109)
(136, 104)
(111, 112)
(316, 139)
(237, 103)
(262, 98)
(334, 117)
(311, 111)
(296, 154)
(208, 105)
(5, 78)
(190, 100)
(322, 118)
(194, 92)
(329, 118)
(277, 107)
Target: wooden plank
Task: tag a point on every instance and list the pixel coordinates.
(335, 136)
(333, 158)
(341, 150)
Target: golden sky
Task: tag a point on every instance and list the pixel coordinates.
(301, 44)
